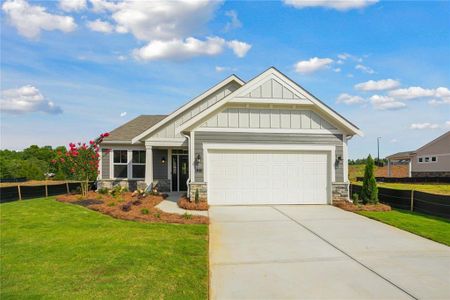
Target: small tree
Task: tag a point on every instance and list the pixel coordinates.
(196, 196)
(81, 161)
(369, 192)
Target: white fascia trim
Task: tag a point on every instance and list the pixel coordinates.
(188, 105)
(116, 142)
(268, 130)
(345, 157)
(274, 147)
(167, 143)
(271, 72)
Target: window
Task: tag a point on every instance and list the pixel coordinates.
(138, 164)
(434, 159)
(120, 163)
(427, 159)
(420, 159)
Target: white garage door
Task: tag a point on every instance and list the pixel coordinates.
(238, 177)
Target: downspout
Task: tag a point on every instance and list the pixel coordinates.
(190, 162)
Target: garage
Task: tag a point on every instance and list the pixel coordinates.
(252, 177)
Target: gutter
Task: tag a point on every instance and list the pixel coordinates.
(190, 163)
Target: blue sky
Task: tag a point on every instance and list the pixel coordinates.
(82, 67)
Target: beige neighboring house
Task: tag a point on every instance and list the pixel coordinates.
(430, 160)
(265, 141)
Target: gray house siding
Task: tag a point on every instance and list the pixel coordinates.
(268, 138)
(159, 169)
(105, 163)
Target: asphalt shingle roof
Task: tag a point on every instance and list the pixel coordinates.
(134, 127)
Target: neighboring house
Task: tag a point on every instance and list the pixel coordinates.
(431, 160)
(265, 141)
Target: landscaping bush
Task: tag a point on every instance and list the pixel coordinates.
(144, 211)
(103, 191)
(197, 197)
(355, 198)
(369, 191)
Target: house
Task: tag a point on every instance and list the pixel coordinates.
(265, 141)
(430, 160)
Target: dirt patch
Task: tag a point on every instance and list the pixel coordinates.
(345, 205)
(132, 207)
(396, 171)
(184, 203)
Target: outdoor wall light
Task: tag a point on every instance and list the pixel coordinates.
(338, 158)
(163, 160)
(198, 158)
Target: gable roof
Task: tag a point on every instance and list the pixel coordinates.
(132, 128)
(186, 106)
(401, 155)
(304, 97)
(434, 141)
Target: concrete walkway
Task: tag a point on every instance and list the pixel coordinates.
(304, 252)
(170, 205)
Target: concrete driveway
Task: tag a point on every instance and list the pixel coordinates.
(304, 252)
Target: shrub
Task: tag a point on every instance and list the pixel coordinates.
(112, 204)
(196, 197)
(369, 191)
(187, 216)
(99, 197)
(103, 191)
(355, 198)
(118, 190)
(144, 211)
(157, 215)
(126, 207)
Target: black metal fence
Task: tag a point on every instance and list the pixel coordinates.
(426, 203)
(410, 179)
(24, 192)
(20, 179)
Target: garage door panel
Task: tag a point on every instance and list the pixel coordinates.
(267, 177)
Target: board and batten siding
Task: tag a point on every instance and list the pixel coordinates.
(268, 138)
(106, 163)
(274, 90)
(267, 118)
(168, 131)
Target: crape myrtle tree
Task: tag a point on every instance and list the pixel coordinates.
(81, 161)
(369, 191)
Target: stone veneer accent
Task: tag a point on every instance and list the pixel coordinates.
(132, 185)
(340, 191)
(202, 190)
(162, 185)
(431, 174)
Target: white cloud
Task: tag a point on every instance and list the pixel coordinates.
(341, 5)
(234, 22)
(239, 48)
(414, 92)
(100, 26)
(350, 75)
(386, 103)
(364, 69)
(424, 126)
(312, 65)
(337, 70)
(72, 5)
(30, 20)
(122, 57)
(26, 99)
(163, 20)
(393, 141)
(180, 49)
(380, 85)
(123, 114)
(349, 99)
(103, 5)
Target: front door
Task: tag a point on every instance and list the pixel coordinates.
(180, 172)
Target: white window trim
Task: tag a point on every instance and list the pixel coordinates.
(111, 175)
(429, 159)
(137, 164)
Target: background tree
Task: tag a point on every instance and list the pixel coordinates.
(369, 192)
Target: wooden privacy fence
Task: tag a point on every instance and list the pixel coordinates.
(24, 192)
(426, 203)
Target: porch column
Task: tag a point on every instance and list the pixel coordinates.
(409, 167)
(389, 167)
(148, 165)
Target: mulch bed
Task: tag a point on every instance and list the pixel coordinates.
(184, 203)
(345, 205)
(131, 207)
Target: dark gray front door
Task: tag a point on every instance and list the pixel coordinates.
(180, 172)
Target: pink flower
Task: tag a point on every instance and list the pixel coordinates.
(62, 160)
(53, 161)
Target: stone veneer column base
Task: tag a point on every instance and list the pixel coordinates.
(202, 191)
(131, 185)
(340, 192)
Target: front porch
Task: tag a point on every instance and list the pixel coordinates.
(163, 168)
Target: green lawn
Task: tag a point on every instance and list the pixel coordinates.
(55, 250)
(433, 228)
